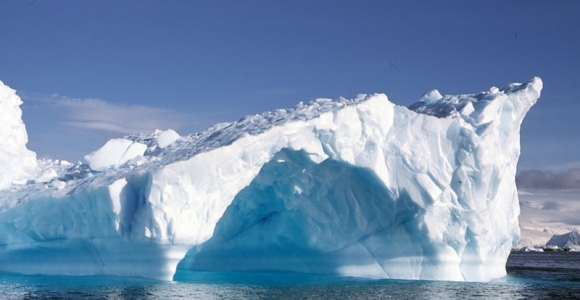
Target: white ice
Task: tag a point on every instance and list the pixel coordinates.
(166, 138)
(115, 153)
(431, 97)
(17, 163)
(350, 187)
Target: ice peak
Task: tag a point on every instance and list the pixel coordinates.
(18, 164)
(431, 96)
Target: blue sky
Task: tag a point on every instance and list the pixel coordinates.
(93, 70)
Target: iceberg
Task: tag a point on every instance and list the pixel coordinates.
(358, 187)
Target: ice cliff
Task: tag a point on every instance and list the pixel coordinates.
(357, 187)
(16, 162)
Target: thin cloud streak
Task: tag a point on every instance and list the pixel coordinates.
(100, 115)
(68, 128)
(99, 126)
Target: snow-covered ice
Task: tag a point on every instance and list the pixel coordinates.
(166, 138)
(115, 153)
(356, 187)
(431, 97)
(17, 163)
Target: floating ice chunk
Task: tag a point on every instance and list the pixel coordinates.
(115, 153)
(166, 138)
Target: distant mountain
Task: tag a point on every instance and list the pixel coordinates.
(567, 240)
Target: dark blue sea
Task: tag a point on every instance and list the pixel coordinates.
(530, 276)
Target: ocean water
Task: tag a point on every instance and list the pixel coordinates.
(555, 275)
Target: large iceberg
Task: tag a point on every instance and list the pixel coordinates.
(357, 187)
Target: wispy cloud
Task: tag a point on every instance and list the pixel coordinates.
(68, 128)
(100, 115)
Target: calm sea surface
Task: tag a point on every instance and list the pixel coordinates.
(530, 276)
